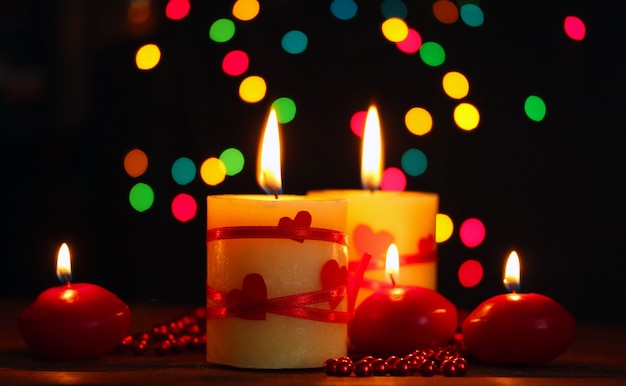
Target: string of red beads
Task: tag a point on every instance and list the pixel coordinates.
(187, 333)
(447, 361)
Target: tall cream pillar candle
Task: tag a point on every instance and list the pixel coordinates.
(378, 218)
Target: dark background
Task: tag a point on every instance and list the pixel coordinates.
(72, 104)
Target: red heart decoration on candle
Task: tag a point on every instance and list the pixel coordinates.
(302, 220)
(425, 245)
(334, 276)
(252, 289)
(376, 244)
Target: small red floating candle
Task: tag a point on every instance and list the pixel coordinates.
(398, 320)
(518, 328)
(74, 321)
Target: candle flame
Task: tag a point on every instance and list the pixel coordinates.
(268, 166)
(512, 273)
(64, 264)
(372, 152)
(392, 263)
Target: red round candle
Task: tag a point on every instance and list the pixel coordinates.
(74, 321)
(528, 329)
(518, 328)
(399, 320)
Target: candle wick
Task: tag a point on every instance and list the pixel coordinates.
(275, 194)
(393, 282)
(67, 279)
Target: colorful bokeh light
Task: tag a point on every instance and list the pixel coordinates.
(395, 29)
(184, 207)
(445, 11)
(444, 227)
(357, 123)
(139, 11)
(246, 10)
(183, 171)
(394, 8)
(252, 89)
(535, 108)
(414, 162)
(472, 15)
(135, 162)
(294, 42)
(147, 56)
(455, 85)
(466, 116)
(418, 121)
(235, 63)
(393, 179)
(177, 9)
(222, 30)
(285, 109)
(141, 197)
(213, 171)
(432, 54)
(472, 232)
(470, 273)
(412, 43)
(233, 160)
(574, 28)
(343, 9)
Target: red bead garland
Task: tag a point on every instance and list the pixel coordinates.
(428, 362)
(185, 333)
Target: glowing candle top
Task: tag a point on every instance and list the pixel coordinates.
(372, 152)
(512, 273)
(268, 166)
(64, 264)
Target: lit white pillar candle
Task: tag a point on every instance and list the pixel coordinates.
(276, 274)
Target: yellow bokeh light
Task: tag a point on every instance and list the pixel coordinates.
(418, 120)
(395, 29)
(213, 171)
(455, 85)
(443, 227)
(466, 116)
(147, 57)
(252, 89)
(245, 10)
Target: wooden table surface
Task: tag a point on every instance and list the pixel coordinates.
(597, 357)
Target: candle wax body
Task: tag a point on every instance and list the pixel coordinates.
(528, 329)
(288, 267)
(74, 321)
(400, 320)
(379, 218)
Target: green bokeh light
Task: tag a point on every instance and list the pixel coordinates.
(285, 109)
(535, 108)
(222, 30)
(432, 54)
(233, 160)
(141, 197)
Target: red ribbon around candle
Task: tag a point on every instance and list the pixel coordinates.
(251, 302)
